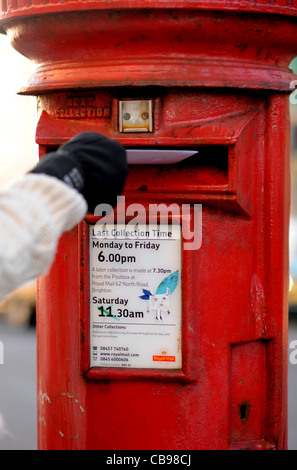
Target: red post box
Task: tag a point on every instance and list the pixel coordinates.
(147, 338)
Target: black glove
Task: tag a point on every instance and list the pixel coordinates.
(91, 163)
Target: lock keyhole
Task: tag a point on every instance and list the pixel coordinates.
(244, 411)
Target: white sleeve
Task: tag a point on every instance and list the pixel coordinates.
(34, 212)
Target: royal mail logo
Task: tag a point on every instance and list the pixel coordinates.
(164, 358)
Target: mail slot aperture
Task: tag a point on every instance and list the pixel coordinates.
(204, 165)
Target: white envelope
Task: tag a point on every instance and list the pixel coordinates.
(157, 156)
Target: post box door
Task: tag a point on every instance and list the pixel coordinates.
(212, 379)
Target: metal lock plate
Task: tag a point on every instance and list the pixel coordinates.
(136, 116)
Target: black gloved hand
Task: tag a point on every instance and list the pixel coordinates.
(91, 163)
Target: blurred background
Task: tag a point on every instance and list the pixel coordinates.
(292, 384)
(18, 118)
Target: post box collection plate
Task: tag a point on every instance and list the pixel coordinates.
(135, 290)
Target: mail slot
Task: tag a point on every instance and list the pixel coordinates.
(163, 324)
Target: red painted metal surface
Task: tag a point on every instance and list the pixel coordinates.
(187, 46)
(218, 78)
